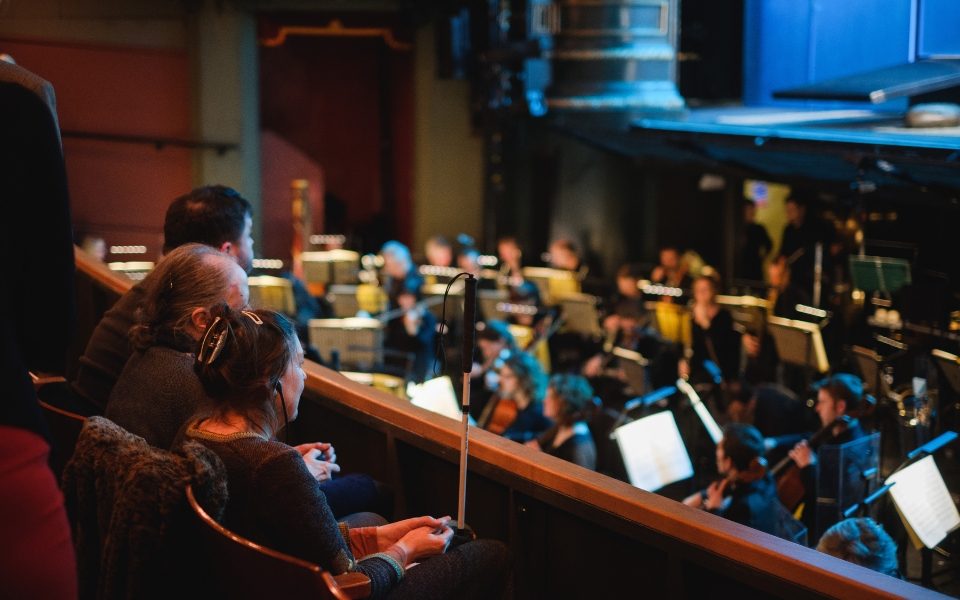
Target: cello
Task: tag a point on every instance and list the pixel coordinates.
(790, 486)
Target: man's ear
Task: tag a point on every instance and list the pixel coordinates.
(200, 318)
(226, 248)
(841, 407)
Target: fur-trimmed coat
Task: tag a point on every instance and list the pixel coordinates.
(131, 520)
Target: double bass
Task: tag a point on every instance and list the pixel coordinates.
(790, 486)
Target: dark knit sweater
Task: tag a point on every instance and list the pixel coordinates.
(275, 501)
(156, 394)
(108, 349)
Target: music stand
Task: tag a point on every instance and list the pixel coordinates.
(950, 367)
(272, 293)
(580, 314)
(359, 340)
(552, 283)
(653, 451)
(488, 301)
(454, 307)
(869, 363)
(331, 266)
(799, 343)
(849, 461)
(437, 395)
(343, 300)
(634, 367)
(749, 312)
(879, 273)
(437, 274)
(392, 384)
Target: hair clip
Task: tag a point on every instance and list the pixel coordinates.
(253, 317)
(215, 345)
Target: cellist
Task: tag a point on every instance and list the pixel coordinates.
(840, 401)
(745, 492)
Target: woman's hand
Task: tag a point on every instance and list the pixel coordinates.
(390, 534)
(320, 469)
(320, 450)
(425, 541)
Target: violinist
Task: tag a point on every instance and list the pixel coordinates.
(745, 493)
(495, 343)
(516, 411)
(413, 330)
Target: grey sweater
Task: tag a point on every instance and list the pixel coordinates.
(156, 394)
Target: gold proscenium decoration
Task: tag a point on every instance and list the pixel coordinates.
(336, 29)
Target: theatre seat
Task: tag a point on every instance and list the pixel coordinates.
(244, 569)
(64, 428)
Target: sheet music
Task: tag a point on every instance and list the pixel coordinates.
(653, 451)
(924, 502)
(437, 395)
(702, 411)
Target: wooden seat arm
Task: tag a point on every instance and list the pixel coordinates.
(355, 585)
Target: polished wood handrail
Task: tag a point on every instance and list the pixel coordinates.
(100, 273)
(692, 535)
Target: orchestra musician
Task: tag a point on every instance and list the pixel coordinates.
(516, 411)
(671, 272)
(745, 493)
(570, 404)
(630, 328)
(714, 337)
(495, 343)
(413, 330)
(510, 256)
(438, 251)
(564, 255)
(783, 296)
(627, 288)
(841, 395)
(801, 235)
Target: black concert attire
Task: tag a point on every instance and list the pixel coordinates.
(754, 504)
(398, 339)
(798, 246)
(754, 246)
(763, 367)
(719, 344)
(528, 424)
(813, 473)
(578, 448)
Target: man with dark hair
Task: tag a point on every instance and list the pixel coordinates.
(745, 492)
(214, 215)
(801, 235)
(840, 401)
